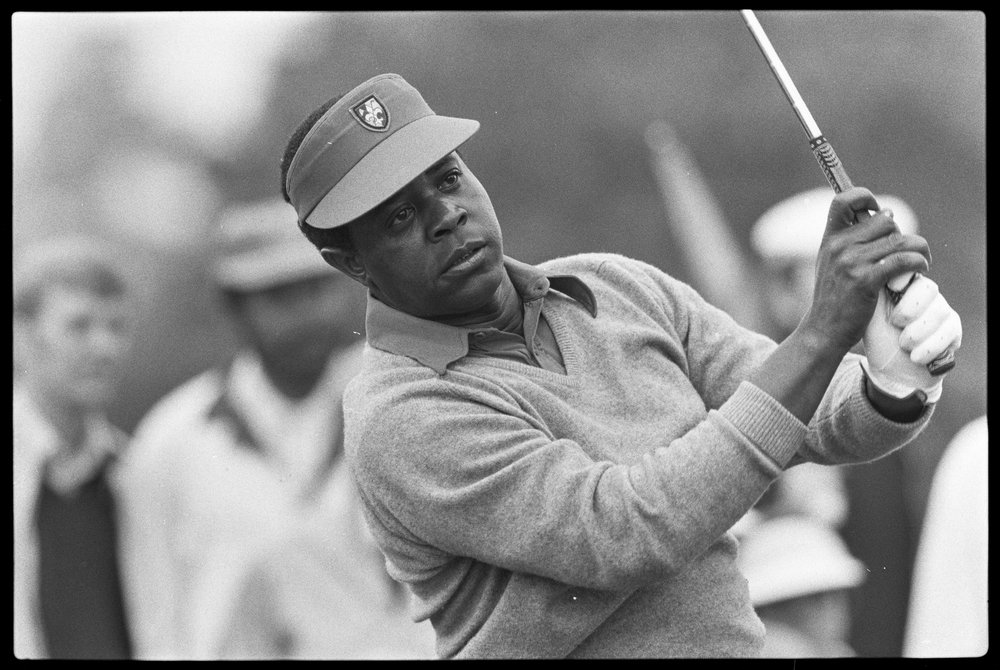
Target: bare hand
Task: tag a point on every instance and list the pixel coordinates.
(854, 263)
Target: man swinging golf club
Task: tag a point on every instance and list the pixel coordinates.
(550, 456)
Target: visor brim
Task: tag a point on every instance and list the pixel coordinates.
(389, 166)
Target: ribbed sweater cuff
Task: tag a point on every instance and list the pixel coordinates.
(765, 422)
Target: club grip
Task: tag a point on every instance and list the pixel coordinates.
(895, 287)
(830, 163)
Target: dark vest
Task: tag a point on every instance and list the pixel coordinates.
(80, 591)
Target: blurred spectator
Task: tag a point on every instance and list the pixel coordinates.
(807, 490)
(252, 545)
(800, 574)
(866, 503)
(72, 334)
(948, 614)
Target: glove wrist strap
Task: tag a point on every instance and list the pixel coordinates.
(901, 391)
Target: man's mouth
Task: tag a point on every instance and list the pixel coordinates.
(464, 258)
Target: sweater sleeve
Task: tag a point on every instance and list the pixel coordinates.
(472, 477)
(720, 354)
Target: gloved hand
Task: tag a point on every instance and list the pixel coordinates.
(902, 339)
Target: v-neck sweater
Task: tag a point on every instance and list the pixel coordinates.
(535, 514)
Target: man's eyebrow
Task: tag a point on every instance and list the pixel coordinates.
(438, 164)
(390, 201)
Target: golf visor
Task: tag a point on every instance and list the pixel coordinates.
(371, 143)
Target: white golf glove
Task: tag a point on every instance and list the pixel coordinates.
(902, 339)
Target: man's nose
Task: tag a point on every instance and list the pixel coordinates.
(446, 217)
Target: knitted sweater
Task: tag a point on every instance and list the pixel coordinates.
(535, 514)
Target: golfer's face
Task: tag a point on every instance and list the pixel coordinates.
(433, 249)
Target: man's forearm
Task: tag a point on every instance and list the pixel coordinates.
(798, 372)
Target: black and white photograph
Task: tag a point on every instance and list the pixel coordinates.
(443, 335)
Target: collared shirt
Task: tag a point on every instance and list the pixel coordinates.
(294, 435)
(437, 345)
(66, 469)
(251, 549)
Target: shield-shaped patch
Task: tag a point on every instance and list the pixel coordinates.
(372, 114)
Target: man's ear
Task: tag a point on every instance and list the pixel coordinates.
(347, 261)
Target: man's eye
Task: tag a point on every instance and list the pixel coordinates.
(451, 179)
(401, 216)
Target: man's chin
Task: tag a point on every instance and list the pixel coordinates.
(475, 296)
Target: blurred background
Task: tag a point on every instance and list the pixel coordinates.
(138, 127)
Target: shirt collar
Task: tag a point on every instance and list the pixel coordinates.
(437, 345)
(66, 470)
(248, 392)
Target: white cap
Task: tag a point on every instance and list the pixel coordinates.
(258, 246)
(791, 556)
(794, 227)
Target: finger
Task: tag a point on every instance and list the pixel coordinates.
(925, 324)
(847, 205)
(948, 336)
(876, 227)
(897, 263)
(888, 214)
(879, 247)
(918, 296)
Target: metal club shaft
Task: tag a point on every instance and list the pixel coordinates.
(827, 157)
(784, 79)
(821, 148)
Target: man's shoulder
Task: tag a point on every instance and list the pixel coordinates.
(396, 399)
(606, 265)
(389, 405)
(582, 262)
(166, 433)
(386, 379)
(190, 399)
(616, 278)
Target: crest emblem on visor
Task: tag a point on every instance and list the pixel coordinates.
(372, 114)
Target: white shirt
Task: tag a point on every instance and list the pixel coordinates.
(948, 614)
(296, 434)
(240, 542)
(40, 454)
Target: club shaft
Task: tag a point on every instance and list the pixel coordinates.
(784, 79)
(821, 147)
(826, 156)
